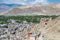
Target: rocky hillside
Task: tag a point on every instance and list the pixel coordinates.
(51, 9)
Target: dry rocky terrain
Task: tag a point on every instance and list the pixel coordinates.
(51, 30)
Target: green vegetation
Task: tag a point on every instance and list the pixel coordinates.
(19, 19)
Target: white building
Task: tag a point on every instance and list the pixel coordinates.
(32, 37)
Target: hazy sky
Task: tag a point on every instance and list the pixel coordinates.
(27, 2)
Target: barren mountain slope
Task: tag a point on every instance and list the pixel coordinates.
(51, 9)
(53, 32)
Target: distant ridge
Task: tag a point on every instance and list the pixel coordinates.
(51, 9)
(5, 7)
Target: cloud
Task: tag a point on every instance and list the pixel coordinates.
(40, 2)
(25, 2)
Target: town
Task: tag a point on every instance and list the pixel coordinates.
(31, 29)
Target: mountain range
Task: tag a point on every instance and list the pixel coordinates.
(50, 9)
(6, 7)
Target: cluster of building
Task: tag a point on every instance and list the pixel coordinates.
(15, 31)
(21, 31)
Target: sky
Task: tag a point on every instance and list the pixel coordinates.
(56, 1)
(27, 2)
